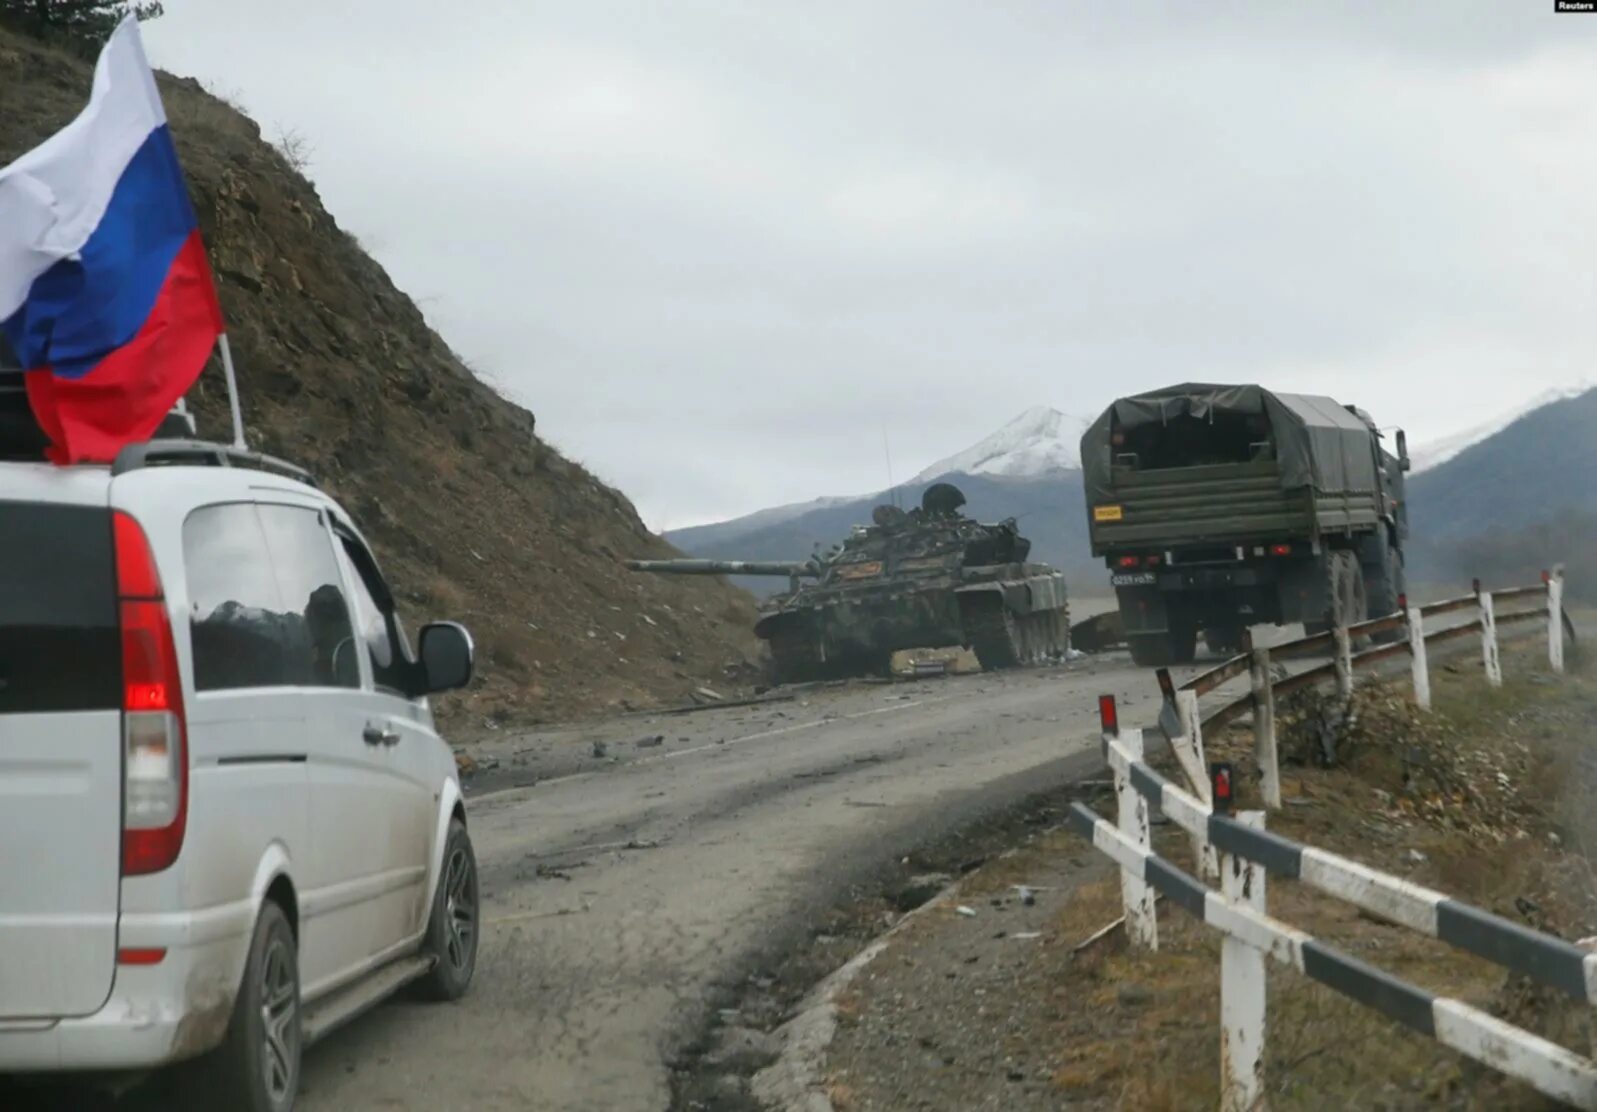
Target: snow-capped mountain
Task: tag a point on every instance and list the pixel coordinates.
(1039, 441)
(1437, 452)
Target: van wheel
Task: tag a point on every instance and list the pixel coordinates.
(453, 930)
(256, 1068)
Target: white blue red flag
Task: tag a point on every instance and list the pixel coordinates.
(106, 295)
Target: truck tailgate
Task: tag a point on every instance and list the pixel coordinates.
(60, 747)
(1193, 505)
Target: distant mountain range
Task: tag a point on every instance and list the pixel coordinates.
(1438, 452)
(1519, 500)
(1499, 497)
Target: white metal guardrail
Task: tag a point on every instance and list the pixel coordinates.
(1257, 663)
(1240, 852)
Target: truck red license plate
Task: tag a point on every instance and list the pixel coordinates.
(1132, 579)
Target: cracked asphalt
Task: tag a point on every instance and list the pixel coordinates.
(620, 903)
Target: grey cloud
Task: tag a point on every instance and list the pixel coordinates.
(720, 248)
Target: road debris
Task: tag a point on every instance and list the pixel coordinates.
(966, 910)
(649, 741)
(743, 1049)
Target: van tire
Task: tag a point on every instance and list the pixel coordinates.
(455, 927)
(236, 1074)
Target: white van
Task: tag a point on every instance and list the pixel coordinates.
(227, 823)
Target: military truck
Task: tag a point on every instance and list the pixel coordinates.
(1221, 507)
(913, 579)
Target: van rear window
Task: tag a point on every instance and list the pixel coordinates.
(59, 645)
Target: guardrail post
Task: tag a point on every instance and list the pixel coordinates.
(1344, 662)
(1242, 987)
(1494, 665)
(1555, 619)
(1416, 649)
(1192, 740)
(1141, 925)
(1264, 727)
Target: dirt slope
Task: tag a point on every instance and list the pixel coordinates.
(473, 516)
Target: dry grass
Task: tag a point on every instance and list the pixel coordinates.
(1430, 807)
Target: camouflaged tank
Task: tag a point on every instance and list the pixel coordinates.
(917, 579)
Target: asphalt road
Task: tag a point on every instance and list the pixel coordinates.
(618, 900)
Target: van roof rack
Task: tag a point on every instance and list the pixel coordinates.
(202, 453)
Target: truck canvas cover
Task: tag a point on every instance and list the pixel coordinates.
(1318, 443)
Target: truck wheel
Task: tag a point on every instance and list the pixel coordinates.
(1149, 650)
(1223, 640)
(1348, 605)
(1356, 603)
(1384, 581)
(1183, 642)
(1177, 645)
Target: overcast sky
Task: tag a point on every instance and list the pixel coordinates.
(719, 249)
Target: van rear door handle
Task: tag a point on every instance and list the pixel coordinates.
(376, 734)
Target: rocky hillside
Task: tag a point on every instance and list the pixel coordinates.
(473, 516)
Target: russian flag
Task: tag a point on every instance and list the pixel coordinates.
(106, 295)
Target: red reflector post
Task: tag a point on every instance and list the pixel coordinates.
(149, 956)
(1108, 715)
(1221, 786)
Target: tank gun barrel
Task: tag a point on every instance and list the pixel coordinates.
(786, 568)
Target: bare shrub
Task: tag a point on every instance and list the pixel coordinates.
(295, 149)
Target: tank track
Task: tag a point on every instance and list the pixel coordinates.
(1001, 639)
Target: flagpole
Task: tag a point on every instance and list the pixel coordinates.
(232, 393)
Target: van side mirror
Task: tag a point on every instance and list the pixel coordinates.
(1402, 450)
(447, 655)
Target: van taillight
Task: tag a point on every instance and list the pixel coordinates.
(155, 768)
